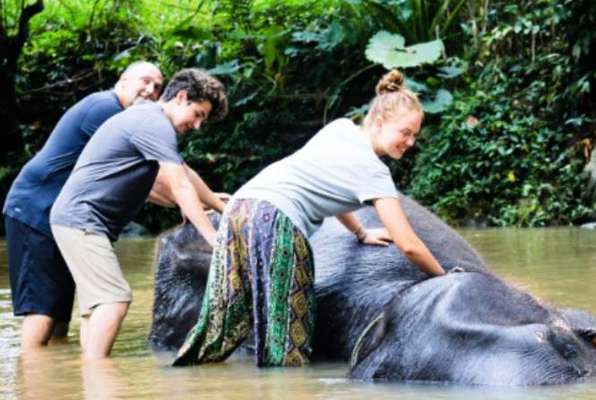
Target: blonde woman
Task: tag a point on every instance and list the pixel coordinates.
(262, 270)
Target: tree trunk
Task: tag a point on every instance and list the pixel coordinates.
(10, 50)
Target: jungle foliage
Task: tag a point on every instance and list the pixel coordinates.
(508, 89)
(511, 149)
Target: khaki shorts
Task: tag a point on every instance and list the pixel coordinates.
(94, 267)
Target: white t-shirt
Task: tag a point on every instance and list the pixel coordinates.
(337, 171)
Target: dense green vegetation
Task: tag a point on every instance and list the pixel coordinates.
(509, 101)
(508, 150)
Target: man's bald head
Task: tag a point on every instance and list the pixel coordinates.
(141, 79)
(141, 67)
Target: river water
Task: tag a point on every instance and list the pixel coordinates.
(558, 265)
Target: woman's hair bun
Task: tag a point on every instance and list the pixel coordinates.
(391, 82)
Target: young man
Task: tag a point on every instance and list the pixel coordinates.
(41, 285)
(109, 184)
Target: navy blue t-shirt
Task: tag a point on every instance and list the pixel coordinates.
(115, 172)
(38, 184)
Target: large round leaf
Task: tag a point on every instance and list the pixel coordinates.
(390, 50)
(441, 101)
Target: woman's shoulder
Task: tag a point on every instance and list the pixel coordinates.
(342, 125)
(338, 130)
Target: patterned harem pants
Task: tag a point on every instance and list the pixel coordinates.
(261, 276)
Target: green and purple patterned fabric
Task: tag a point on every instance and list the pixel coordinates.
(261, 276)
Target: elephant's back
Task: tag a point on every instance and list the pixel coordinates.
(337, 251)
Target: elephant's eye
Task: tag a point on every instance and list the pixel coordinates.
(569, 351)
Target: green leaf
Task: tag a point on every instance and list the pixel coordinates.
(271, 47)
(189, 32)
(225, 69)
(449, 72)
(358, 112)
(416, 86)
(332, 36)
(122, 55)
(442, 100)
(326, 39)
(390, 51)
(306, 36)
(247, 99)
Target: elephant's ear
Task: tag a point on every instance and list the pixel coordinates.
(369, 339)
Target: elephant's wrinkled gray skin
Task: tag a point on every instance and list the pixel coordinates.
(393, 323)
(182, 267)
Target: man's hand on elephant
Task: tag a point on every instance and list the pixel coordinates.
(376, 237)
(225, 197)
(211, 240)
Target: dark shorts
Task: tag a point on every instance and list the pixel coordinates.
(39, 279)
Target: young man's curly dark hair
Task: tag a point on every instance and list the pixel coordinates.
(199, 86)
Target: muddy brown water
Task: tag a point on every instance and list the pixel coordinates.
(558, 265)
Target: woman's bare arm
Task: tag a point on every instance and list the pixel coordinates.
(397, 224)
(379, 237)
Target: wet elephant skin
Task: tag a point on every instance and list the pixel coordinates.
(378, 311)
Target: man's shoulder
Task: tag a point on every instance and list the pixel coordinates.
(102, 95)
(146, 107)
(106, 100)
(149, 116)
(96, 106)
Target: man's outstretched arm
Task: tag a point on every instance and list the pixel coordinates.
(178, 184)
(161, 195)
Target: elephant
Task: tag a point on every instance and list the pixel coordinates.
(390, 321)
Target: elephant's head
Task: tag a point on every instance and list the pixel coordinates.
(472, 328)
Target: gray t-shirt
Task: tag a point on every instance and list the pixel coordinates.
(116, 170)
(337, 171)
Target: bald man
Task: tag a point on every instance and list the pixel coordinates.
(41, 286)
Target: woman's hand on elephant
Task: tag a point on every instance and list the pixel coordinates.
(377, 237)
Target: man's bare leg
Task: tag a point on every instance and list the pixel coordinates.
(102, 379)
(60, 333)
(60, 330)
(36, 331)
(104, 324)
